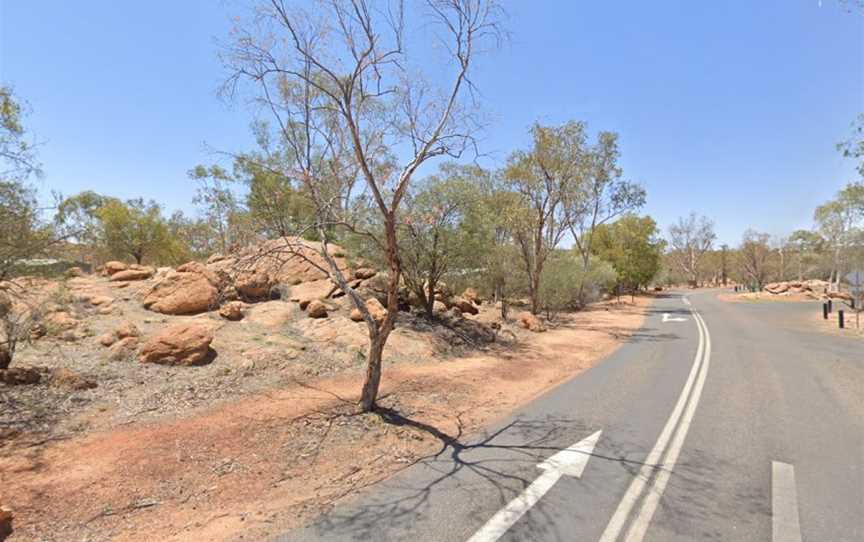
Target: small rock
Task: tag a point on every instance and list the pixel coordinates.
(180, 344)
(133, 274)
(99, 300)
(68, 378)
(464, 305)
(123, 349)
(365, 273)
(232, 311)
(6, 518)
(531, 322)
(316, 309)
(127, 329)
(107, 339)
(112, 267)
(20, 375)
(471, 295)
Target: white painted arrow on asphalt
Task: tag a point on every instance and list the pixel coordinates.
(667, 318)
(568, 462)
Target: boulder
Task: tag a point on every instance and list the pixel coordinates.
(454, 312)
(309, 291)
(60, 321)
(6, 518)
(67, 378)
(73, 272)
(133, 274)
(464, 305)
(107, 339)
(259, 269)
(127, 329)
(5, 356)
(232, 311)
(179, 344)
(840, 295)
(189, 290)
(316, 309)
(530, 322)
(364, 273)
(471, 295)
(112, 267)
(439, 306)
(123, 349)
(375, 308)
(100, 300)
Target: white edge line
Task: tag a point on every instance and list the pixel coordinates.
(619, 518)
(640, 525)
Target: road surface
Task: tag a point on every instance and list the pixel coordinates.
(717, 421)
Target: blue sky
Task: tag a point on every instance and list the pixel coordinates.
(731, 109)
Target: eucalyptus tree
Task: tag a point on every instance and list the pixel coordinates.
(439, 230)
(347, 100)
(690, 239)
(755, 253)
(544, 176)
(600, 196)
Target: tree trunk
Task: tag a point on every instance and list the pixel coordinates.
(373, 375)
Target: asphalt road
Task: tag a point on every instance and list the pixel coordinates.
(749, 427)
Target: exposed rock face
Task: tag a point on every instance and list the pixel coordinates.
(257, 270)
(814, 287)
(180, 344)
(464, 305)
(840, 295)
(191, 289)
(232, 311)
(112, 267)
(316, 309)
(310, 291)
(133, 274)
(531, 322)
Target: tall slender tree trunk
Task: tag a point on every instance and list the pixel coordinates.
(373, 375)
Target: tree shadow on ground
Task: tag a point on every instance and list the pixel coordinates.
(503, 462)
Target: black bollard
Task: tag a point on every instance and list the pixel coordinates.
(830, 307)
(825, 311)
(840, 320)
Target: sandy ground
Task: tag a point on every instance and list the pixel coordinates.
(252, 467)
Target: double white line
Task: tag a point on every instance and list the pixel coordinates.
(670, 442)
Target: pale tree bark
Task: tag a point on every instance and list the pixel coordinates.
(340, 86)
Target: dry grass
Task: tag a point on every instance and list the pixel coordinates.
(271, 460)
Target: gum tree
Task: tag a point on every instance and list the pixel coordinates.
(347, 100)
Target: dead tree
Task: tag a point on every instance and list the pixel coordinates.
(339, 84)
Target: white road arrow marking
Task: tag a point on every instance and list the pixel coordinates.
(784, 504)
(667, 318)
(568, 462)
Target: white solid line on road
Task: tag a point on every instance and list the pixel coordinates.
(619, 518)
(569, 461)
(667, 318)
(640, 525)
(784, 504)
